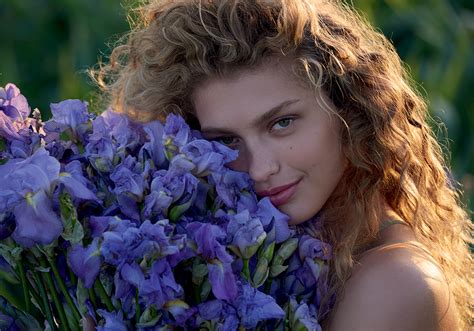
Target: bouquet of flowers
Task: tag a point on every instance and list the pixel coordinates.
(141, 227)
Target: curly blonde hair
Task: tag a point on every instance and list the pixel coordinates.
(176, 45)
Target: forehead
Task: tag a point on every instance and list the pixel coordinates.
(244, 96)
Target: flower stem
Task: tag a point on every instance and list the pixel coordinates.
(72, 277)
(137, 308)
(93, 298)
(44, 298)
(59, 306)
(103, 295)
(246, 270)
(62, 286)
(25, 286)
(268, 285)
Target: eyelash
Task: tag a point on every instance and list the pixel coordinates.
(271, 128)
(286, 118)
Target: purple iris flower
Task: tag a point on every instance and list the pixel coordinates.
(207, 238)
(113, 249)
(158, 240)
(76, 183)
(100, 224)
(75, 187)
(160, 197)
(14, 110)
(13, 103)
(223, 281)
(127, 179)
(180, 311)
(153, 147)
(85, 262)
(125, 292)
(180, 165)
(161, 286)
(101, 149)
(158, 287)
(128, 206)
(176, 133)
(298, 278)
(138, 244)
(210, 310)
(124, 243)
(113, 321)
(8, 323)
(313, 248)
(70, 113)
(248, 309)
(273, 218)
(246, 233)
(25, 184)
(230, 185)
(36, 221)
(22, 176)
(304, 315)
(254, 306)
(126, 134)
(7, 128)
(7, 224)
(26, 146)
(207, 156)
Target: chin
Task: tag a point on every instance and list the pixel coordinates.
(298, 219)
(299, 216)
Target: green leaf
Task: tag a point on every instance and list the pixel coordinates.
(199, 271)
(73, 230)
(149, 317)
(66, 135)
(82, 294)
(205, 290)
(11, 254)
(23, 320)
(3, 144)
(42, 269)
(177, 211)
(76, 235)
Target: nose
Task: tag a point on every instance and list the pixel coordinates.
(262, 162)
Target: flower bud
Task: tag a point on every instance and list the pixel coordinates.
(275, 270)
(285, 251)
(261, 272)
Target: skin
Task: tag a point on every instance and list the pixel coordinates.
(284, 132)
(397, 286)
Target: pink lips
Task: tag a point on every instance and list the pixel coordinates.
(281, 194)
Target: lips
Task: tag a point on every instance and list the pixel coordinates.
(281, 194)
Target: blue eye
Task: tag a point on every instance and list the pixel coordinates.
(282, 123)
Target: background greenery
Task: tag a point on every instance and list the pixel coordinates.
(47, 46)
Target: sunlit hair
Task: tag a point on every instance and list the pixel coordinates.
(392, 153)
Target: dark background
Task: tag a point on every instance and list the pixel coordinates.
(48, 45)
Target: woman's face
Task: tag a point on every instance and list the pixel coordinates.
(287, 140)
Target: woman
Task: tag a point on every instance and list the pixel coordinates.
(326, 123)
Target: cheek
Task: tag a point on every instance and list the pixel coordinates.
(240, 164)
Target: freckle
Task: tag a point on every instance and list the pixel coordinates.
(291, 147)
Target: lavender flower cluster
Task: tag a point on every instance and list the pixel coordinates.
(141, 226)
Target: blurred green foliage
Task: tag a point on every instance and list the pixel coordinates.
(48, 45)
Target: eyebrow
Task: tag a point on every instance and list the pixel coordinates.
(265, 117)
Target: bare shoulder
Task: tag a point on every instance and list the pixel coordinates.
(395, 287)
